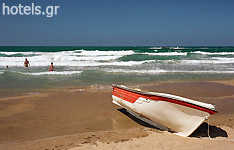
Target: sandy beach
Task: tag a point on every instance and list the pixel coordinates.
(59, 60)
(85, 118)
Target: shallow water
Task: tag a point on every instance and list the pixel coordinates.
(85, 66)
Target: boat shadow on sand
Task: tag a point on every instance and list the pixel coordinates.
(202, 130)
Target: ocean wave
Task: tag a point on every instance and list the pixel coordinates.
(168, 54)
(80, 52)
(203, 48)
(137, 71)
(23, 53)
(64, 58)
(53, 73)
(215, 60)
(177, 48)
(214, 53)
(125, 63)
(155, 48)
(159, 71)
(103, 53)
(67, 60)
(131, 71)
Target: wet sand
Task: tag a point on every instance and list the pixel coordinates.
(87, 119)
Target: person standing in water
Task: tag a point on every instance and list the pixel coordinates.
(26, 63)
(51, 68)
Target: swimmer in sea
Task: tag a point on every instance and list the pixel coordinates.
(26, 63)
(51, 68)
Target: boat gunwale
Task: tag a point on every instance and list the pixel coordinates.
(152, 94)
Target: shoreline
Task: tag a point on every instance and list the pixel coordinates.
(19, 91)
(83, 114)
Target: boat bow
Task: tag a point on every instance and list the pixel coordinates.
(165, 111)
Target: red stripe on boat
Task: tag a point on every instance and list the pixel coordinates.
(131, 97)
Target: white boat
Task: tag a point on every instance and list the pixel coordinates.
(176, 114)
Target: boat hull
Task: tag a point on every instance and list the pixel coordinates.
(180, 119)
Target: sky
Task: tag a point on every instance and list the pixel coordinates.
(120, 23)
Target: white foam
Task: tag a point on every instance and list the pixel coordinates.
(137, 71)
(205, 71)
(215, 60)
(115, 63)
(231, 60)
(168, 54)
(65, 58)
(177, 48)
(155, 48)
(103, 53)
(53, 73)
(127, 63)
(214, 53)
(159, 71)
(24, 53)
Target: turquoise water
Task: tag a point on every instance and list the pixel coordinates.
(86, 66)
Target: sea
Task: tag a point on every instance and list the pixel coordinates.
(102, 66)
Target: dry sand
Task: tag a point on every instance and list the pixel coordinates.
(164, 140)
(87, 119)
